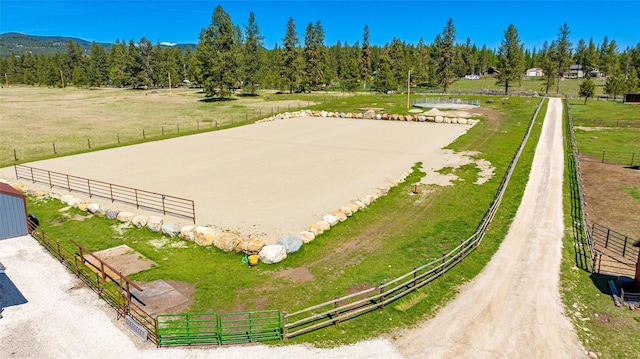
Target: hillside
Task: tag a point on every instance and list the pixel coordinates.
(17, 43)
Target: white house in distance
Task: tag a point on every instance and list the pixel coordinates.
(534, 72)
(576, 71)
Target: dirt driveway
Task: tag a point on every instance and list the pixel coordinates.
(512, 309)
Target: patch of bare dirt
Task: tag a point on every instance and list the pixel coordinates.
(296, 275)
(607, 197)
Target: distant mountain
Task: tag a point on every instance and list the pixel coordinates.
(17, 43)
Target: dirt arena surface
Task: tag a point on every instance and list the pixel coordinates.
(269, 179)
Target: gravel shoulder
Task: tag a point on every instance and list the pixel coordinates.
(513, 309)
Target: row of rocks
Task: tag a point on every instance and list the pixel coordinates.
(225, 241)
(368, 115)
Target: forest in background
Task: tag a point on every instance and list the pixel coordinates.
(231, 59)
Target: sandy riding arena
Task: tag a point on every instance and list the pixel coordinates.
(269, 179)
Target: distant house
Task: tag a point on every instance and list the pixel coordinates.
(491, 71)
(534, 72)
(576, 71)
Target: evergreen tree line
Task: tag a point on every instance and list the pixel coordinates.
(230, 58)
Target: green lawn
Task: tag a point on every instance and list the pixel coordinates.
(606, 126)
(528, 84)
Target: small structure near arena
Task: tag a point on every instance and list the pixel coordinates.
(13, 211)
(633, 98)
(446, 103)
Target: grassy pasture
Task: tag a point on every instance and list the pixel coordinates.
(33, 119)
(606, 126)
(387, 239)
(528, 84)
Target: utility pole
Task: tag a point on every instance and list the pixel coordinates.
(169, 73)
(408, 88)
(62, 79)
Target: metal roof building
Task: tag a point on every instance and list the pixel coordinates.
(13, 212)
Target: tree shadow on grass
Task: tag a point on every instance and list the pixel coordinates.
(217, 99)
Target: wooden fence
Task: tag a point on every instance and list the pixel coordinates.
(152, 201)
(614, 251)
(631, 159)
(106, 281)
(582, 239)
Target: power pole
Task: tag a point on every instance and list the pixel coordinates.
(169, 73)
(408, 88)
(62, 79)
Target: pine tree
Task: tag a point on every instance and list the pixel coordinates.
(548, 65)
(290, 66)
(384, 80)
(97, 70)
(615, 84)
(562, 53)
(510, 58)
(315, 59)
(587, 89)
(117, 64)
(253, 56)
(446, 52)
(218, 55)
(365, 57)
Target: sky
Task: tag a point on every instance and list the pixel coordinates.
(484, 22)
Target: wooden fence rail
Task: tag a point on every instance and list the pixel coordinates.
(152, 201)
(114, 291)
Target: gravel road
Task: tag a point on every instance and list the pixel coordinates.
(512, 309)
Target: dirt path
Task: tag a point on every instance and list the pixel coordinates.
(512, 309)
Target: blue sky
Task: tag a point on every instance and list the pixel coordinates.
(483, 22)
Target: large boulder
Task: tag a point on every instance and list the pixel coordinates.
(369, 115)
(139, 221)
(250, 245)
(66, 198)
(93, 207)
(125, 216)
(83, 206)
(273, 253)
(306, 236)
(226, 241)
(290, 243)
(186, 232)
(331, 219)
(353, 207)
(315, 229)
(112, 213)
(74, 202)
(340, 216)
(204, 236)
(39, 193)
(323, 225)
(171, 229)
(346, 210)
(154, 224)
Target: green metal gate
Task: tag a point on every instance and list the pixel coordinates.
(250, 327)
(210, 328)
(187, 329)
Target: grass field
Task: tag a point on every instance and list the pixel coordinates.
(39, 118)
(606, 126)
(382, 242)
(529, 84)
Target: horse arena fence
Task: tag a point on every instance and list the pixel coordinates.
(269, 325)
(582, 239)
(157, 202)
